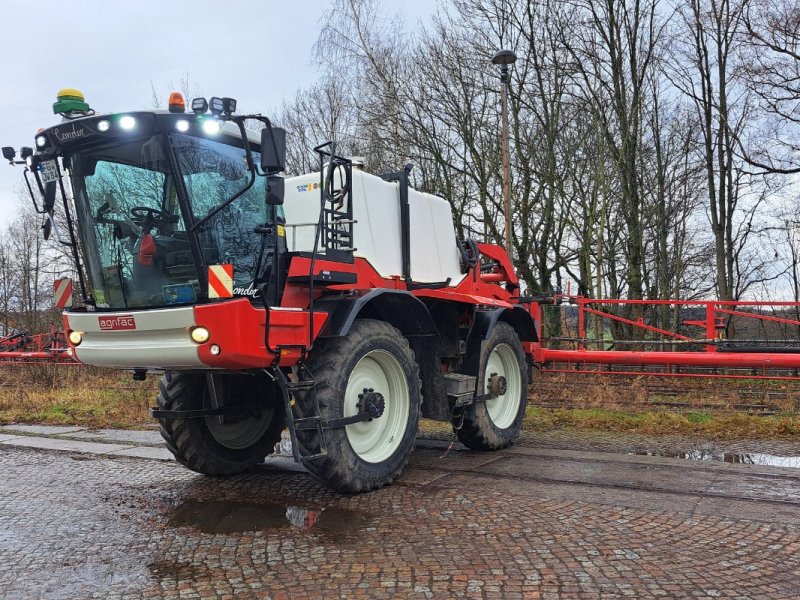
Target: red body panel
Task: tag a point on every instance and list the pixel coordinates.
(289, 332)
(476, 287)
(239, 329)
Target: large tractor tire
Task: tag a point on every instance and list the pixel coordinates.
(495, 423)
(204, 444)
(370, 454)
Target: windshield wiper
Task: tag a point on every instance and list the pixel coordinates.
(121, 278)
(252, 168)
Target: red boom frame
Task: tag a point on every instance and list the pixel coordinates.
(756, 362)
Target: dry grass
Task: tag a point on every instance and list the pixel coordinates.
(74, 395)
(85, 396)
(703, 424)
(560, 390)
(715, 408)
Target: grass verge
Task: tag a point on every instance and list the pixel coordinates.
(75, 395)
(710, 425)
(89, 397)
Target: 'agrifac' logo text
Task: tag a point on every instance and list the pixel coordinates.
(116, 323)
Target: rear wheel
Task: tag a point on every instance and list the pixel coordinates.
(366, 455)
(204, 444)
(495, 423)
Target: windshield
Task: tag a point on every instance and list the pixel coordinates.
(212, 173)
(137, 249)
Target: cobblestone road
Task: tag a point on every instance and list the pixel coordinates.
(524, 523)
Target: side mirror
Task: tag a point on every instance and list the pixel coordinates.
(273, 150)
(9, 153)
(25, 152)
(49, 196)
(274, 190)
(47, 227)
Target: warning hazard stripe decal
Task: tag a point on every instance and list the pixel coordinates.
(220, 281)
(62, 292)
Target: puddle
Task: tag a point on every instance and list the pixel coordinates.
(753, 458)
(238, 517)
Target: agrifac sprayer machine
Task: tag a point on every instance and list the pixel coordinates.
(337, 304)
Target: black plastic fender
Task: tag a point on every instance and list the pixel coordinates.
(397, 307)
(408, 314)
(485, 320)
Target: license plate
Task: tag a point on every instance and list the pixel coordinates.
(48, 171)
(178, 294)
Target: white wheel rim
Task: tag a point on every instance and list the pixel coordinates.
(503, 409)
(376, 440)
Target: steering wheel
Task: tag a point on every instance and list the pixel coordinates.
(146, 214)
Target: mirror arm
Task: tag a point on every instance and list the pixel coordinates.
(72, 241)
(40, 211)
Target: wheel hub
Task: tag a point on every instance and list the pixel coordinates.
(372, 402)
(497, 385)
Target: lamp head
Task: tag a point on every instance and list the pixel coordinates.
(504, 57)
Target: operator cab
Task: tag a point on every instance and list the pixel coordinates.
(159, 197)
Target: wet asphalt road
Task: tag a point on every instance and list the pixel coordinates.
(527, 522)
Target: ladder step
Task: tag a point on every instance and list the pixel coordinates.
(306, 395)
(307, 457)
(307, 423)
(300, 385)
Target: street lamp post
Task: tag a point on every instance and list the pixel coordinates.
(505, 58)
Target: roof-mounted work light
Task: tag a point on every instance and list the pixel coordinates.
(216, 105)
(199, 106)
(228, 106)
(222, 106)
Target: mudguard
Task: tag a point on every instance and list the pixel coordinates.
(397, 307)
(485, 321)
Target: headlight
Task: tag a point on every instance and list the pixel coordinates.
(75, 337)
(200, 335)
(212, 126)
(182, 125)
(102, 126)
(127, 122)
(41, 141)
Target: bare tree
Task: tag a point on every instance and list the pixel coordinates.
(771, 68)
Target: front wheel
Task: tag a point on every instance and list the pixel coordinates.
(238, 443)
(373, 359)
(495, 423)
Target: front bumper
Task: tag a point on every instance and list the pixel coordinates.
(153, 339)
(160, 338)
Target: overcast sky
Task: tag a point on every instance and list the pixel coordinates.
(258, 52)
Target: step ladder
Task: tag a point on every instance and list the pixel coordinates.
(302, 393)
